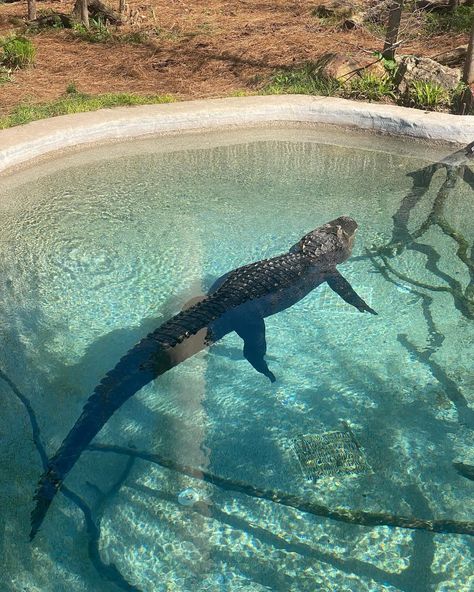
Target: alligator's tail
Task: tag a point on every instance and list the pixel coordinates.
(179, 338)
(173, 342)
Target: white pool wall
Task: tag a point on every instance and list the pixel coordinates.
(20, 144)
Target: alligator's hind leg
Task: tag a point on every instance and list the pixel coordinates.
(252, 331)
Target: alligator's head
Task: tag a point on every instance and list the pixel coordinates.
(331, 243)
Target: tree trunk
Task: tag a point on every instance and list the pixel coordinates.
(84, 13)
(391, 38)
(468, 74)
(453, 4)
(121, 6)
(97, 10)
(31, 10)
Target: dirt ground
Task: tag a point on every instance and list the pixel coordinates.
(194, 49)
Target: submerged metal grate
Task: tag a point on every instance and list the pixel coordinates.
(331, 453)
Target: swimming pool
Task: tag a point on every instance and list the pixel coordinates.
(102, 246)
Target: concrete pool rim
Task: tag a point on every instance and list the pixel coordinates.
(21, 144)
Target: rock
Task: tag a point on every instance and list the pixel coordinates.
(334, 8)
(454, 57)
(433, 5)
(335, 66)
(412, 68)
(355, 21)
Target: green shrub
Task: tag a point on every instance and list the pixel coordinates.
(389, 64)
(428, 95)
(71, 89)
(371, 87)
(456, 21)
(55, 20)
(306, 80)
(18, 52)
(462, 102)
(97, 32)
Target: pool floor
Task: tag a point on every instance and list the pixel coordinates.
(99, 247)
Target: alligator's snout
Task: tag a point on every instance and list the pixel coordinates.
(348, 225)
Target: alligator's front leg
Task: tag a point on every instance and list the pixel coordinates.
(343, 288)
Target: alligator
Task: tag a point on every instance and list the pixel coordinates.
(238, 301)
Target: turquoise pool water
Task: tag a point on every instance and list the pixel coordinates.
(99, 247)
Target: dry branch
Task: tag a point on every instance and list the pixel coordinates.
(359, 517)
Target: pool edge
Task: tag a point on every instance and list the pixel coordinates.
(21, 144)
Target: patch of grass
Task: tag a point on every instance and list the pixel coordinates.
(240, 92)
(370, 87)
(5, 74)
(17, 52)
(76, 102)
(455, 21)
(134, 37)
(173, 34)
(98, 32)
(306, 80)
(206, 28)
(428, 95)
(71, 89)
(462, 102)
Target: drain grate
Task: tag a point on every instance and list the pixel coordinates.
(330, 453)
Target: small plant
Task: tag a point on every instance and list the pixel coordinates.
(462, 101)
(97, 32)
(306, 80)
(389, 64)
(5, 74)
(458, 20)
(18, 52)
(71, 89)
(371, 87)
(134, 37)
(205, 28)
(428, 95)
